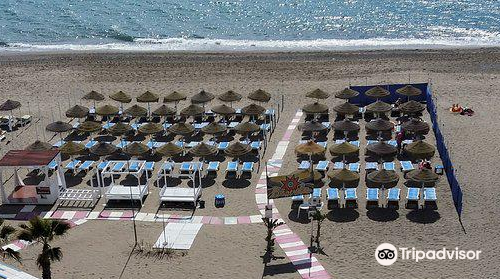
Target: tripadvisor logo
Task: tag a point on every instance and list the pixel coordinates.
(387, 254)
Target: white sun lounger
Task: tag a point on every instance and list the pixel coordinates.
(327, 124)
(120, 192)
(389, 166)
(304, 165)
(322, 166)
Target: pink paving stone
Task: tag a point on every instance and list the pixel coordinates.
(80, 215)
(173, 219)
(262, 181)
(104, 214)
(216, 221)
(299, 257)
(322, 274)
(127, 215)
(276, 216)
(244, 220)
(57, 214)
(287, 135)
(282, 227)
(260, 191)
(288, 238)
(300, 247)
(18, 244)
(206, 219)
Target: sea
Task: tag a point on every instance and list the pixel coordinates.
(246, 25)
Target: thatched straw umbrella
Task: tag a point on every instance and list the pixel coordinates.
(10, 105)
(223, 110)
(214, 128)
(341, 178)
(343, 149)
(175, 97)
(150, 128)
(253, 110)
(260, 95)
(409, 91)
(346, 93)
(39, 146)
(148, 97)
(378, 107)
(230, 97)
(72, 148)
(309, 148)
(136, 149)
(411, 107)
(77, 111)
(103, 149)
(345, 126)
(120, 129)
(416, 126)
(346, 108)
(136, 111)
(203, 150)
(192, 110)
(107, 110)
(89, 127)
(311, 126)
(121, 97)
(181, 128)
(382, 149)
(163, 110)
(169, 150)
(383, 179)
(425, 177)
(202, 98)
(318, 94)
(315, 108)
(377, 92)
(379, 125)
(94, 96)
(59, 127)
(420, 150)
(237, 149)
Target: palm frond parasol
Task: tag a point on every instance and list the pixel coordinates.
(379, 125)
(253, 109)
(260, 95)
(181, 128)
(377, 92)
(77, 111)
(136, 149)
(411, 107)
(416, 126)
(246, 128)
(151, 128)
(10, 105)
(203, 150)
(120, 129)
(214, 128)
(346, 93)
(59, 127)
(343, 149)
(89, 127)
(72, 148)
(378, 107)
(420, 150)
(346, 108)
(345, 126)
(383, 178)
(409, 91)
(382, 149)
(94, 96)
(163, 110)
(317, 94)
(103, 149)
(230, 96)
(315, 108)
(237, 149)
(170, 149)
(107, 110)
(39, 146)
(223, 110)
(202, 97)
(192, 110)
(121, 97)
(148, 97)
(309, 148)
(136, 111)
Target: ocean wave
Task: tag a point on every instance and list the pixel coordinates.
(187, 44)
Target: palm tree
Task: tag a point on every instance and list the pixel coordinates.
(43, 231)
(5, 236)
(319, 217)
(271, 225)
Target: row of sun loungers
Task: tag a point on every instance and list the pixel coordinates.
(372, 198)
(324, 165)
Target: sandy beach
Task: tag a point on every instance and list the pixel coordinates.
(48, 83)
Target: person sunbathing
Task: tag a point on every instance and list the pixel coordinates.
(467, 111)
(456, 108)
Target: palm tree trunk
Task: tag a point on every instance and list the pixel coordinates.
(46, 273)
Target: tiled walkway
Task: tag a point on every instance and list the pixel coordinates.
(306, 264)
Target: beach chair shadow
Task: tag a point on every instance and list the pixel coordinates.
(205, 182)
(343, 215)
(382, 214)
(302, 219)
(423, 216)
(233, 183)
(275, 269)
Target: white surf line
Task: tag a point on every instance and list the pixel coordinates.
(306, 264)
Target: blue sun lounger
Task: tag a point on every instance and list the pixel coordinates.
(247, 167)
(167, 167)
(72, 165)
(304, 165)
(134, 166)
(232, 124)
(90, 144)
(368, 142)
(223, 145)
(59, 143)
(166, 125)
(192, 144)
(255, 145)
(232, 169)
(108, 125)
(52, 165)
(265, 126)
(371, 198)
(323, 143)
(354, 167)
(338, 165)
(393, 198)
(85, 166)
(406, 166)
(350, 197)
(355, 143)
(333, 198)
(122, 144)
(180, 143)
(430, 198)
(149, 166)
(186, 167)
(389, 166)
(297, 201)
(412, 197)
(135, 126)
(102, 165)
(327, 124)
(118, 167)
(393, 143)
(213, 166)
(371, 166)
(322, 166)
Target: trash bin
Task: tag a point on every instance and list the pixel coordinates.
(439, 169)
(220, 200)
